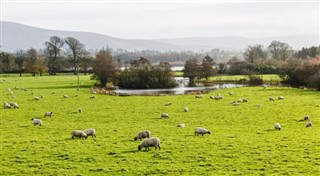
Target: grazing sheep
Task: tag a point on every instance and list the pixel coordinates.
(36, 98)
(280, 98)
(306, 117)
(264, 86)
(6, 105)
(277, 126)
(90, 132)
(150, 142)
(258, 105)
(65, 96)
(79, 133)
(168, 104)
(239, 100)
(244, 100)
(308, 124)
(212, 97)
(14, 104)
(92, 97)
(36, 122)
(181, 125)
(231, 93)
(79, 110)
(198, 96)
(48, 114)
(53, 92)
(186, 109)
(143, 134)
(201, 131)
(164, 115)
(271, 99)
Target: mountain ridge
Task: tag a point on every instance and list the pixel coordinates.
(20, 36)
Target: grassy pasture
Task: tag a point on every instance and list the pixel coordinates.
(242, 140)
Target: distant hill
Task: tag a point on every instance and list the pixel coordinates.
(18, 36)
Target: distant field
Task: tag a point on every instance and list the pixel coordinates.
(242, 140)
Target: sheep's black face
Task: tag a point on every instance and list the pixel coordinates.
(135, 138)
(139, 147)
(209, 132)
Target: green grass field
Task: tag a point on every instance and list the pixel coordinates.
(242, 140)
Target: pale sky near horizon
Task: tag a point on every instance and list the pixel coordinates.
(132, 19)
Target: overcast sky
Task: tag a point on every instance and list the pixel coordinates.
(168, 19)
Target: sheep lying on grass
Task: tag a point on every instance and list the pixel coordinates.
(308, 124)
(181, 125)
(14, 104)
(79, 133)
(277, 126)
(150, 142)
(143, 134)
(201, 131)
(90, 132)
(6, 105)
(164, 115)
(36, 122)
(271, 99)
(48, 114)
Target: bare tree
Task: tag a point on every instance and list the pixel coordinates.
(76, 48)
(53, 49)
(256, 53)
(20, 60)
(104, 67)
(279, 50)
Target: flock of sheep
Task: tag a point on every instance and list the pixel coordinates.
(147, 141)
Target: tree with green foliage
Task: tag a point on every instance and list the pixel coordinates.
(7, 61)
(146, 76)
(103, 67)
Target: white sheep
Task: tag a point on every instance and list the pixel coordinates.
(231, 93)
(168, 104)
(6, 105)
(48, 114)
(308, 124)
(142, 134)
(271, 99)
(150, 142)
(90, 132)
(36, 122)
(65, 96)
(14, 104)
(244, 100)
(92, 97)
(181, 125)
(36, 98)
(305, 117)
(164, 115)
(79, 110)
(264, 86)
(200, 130)
(186, 109)
(277, 126)
(280, 98)
(79, 133)
(53, 92)
(198, 96)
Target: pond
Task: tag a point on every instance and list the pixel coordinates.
(180, 89)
